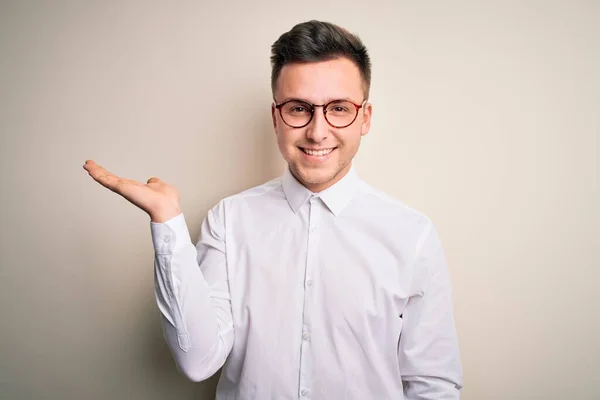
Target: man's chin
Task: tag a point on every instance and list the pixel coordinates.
(314, 177)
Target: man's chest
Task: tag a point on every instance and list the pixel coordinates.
(341, 273)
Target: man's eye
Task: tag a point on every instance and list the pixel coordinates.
(298, 109)
(339, 109)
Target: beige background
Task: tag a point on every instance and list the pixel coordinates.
(486, 118)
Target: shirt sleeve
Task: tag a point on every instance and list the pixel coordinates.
(192, 294)
(428, 351)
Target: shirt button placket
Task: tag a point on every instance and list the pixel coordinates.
(305, 361)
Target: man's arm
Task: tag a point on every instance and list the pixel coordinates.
(194, 300)
(192, 293)
(428, 351)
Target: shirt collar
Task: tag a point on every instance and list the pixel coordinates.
(336, 197)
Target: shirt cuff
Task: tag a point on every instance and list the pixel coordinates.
(170, 236)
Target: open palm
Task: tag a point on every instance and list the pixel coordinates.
(157, 198)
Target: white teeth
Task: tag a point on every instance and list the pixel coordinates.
(317, 152)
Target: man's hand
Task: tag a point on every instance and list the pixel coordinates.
(157, 198)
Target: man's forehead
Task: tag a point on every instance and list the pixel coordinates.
(320, 81)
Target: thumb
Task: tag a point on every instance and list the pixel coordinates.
(153, 180)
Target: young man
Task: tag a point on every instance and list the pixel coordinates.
(313, 285)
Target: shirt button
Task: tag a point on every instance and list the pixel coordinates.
(304, 392)
(306, 336)
(308, 283)
(313, 229)
(167, 239)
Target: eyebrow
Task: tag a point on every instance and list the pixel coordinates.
(329, 100)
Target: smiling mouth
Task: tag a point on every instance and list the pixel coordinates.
(317, 153)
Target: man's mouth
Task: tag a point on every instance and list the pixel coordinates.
(317, 152)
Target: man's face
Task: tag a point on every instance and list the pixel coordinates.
(320, 83)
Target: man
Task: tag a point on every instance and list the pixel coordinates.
(313, 285)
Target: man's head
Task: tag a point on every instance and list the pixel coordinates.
(318, 63)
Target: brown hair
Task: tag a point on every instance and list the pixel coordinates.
(315, 41)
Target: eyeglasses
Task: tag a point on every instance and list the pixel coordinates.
(337, 113)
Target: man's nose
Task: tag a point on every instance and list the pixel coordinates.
(318, 128)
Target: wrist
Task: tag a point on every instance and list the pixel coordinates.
(165, 215)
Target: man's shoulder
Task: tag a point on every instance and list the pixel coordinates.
(389, 206)
(266, 190)
(258, 190)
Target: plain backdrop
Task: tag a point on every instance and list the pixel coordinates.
(485, 118)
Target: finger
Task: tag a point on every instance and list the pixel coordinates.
(92, 167)
(109, 181)
(135, 192)
(96, 170)
(102, 176)
(153, 180)
(88, 164)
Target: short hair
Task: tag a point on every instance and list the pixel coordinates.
(316, 41)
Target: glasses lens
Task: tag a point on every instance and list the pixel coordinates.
(341, 113)
(296, 113)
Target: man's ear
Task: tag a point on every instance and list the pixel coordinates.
(366, 123)
(274, 117)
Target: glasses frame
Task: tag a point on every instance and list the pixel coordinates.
(312, 111)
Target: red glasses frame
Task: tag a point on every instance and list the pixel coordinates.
(312, 111)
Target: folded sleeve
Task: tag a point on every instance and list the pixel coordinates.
(428, 351)
(192, 293)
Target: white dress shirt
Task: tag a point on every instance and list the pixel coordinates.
(342, 294)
